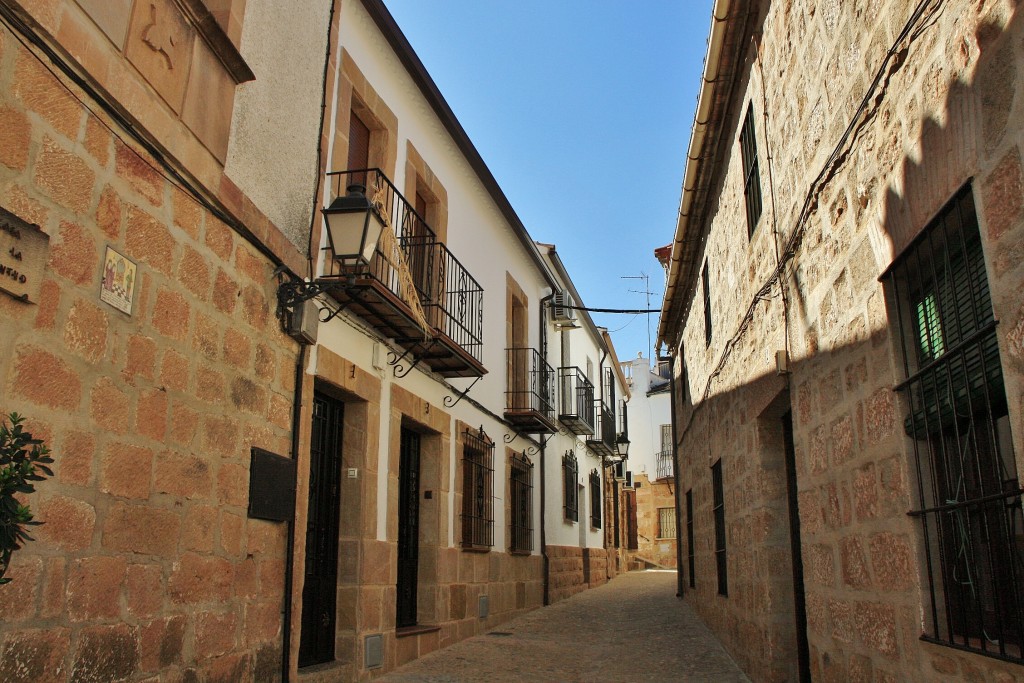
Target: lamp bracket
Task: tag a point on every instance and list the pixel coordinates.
(293, 292)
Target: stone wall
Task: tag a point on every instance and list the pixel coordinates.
(948, 111)
(146, 560)
(652, 545)
(565, 577)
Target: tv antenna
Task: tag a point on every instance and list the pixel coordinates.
(647, 292)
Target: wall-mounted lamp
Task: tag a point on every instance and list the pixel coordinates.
(354, 226)
(622, 446)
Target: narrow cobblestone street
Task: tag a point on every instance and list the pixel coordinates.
(631, 629)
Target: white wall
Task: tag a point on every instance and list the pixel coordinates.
(645, 417)
(272, 151)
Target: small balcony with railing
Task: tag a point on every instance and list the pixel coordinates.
(530, 392)
(575, 401)
(602, 441)
(410, 287)
(665, 464)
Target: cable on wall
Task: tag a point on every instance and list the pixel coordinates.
(34, 44)
(895, 57)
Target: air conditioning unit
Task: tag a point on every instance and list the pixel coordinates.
(562, 310)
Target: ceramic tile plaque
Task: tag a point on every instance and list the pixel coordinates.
(117, 281)
(24, 250)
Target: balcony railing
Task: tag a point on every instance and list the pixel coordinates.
(602, 443)
(530, 392)
(450, 298)
(576, 400)
(665, 464)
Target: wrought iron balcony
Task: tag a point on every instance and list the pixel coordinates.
(530, 392)
(576, 400)
(665, 464)
(602, 443)
(449, 297)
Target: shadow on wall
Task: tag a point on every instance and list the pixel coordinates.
(870, 572)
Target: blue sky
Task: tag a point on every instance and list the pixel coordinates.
(582, 111)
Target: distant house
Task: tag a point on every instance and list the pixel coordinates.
(844, 311)
(650, 470)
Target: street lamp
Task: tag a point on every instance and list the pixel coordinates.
(354, 226)
(622, 446)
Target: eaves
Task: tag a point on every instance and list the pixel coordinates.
(731, 27)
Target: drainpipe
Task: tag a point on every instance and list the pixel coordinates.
(289, 576)
(675, 478)
(543, 472)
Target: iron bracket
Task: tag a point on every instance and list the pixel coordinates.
(451, 402)
(399, 367)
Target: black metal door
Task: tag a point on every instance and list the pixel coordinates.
(799, 600)
(316, 644)
(408, 527)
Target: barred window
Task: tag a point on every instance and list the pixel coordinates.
(477, 490)
(969, 496)
(570, 474)
(719, 511)
(666, 522)
(706, 286)
(521, 497)
(596, 501)
(751, 172)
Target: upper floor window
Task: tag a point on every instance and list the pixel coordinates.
(969, 501)
(705, 282)
(751, 173)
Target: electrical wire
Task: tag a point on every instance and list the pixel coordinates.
(29, 39)
(627, 311)
(895, 57)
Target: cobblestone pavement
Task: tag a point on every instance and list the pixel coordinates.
(631, 629)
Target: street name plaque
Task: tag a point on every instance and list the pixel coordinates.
(24, 249)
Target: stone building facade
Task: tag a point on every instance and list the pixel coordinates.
(850, 423)
(115, 177)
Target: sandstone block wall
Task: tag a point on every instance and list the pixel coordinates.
(651, 497)
(146, 560)
(949, 111)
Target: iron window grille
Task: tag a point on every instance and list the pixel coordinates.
(690, 559)
(665, 455)
(719, 512)
(705, 282)
(576, 400)
(665, 464)
(570, 474)
(751, 172)
(595, 499)
(521, 496)
(666, 522)
(968, 490)
(477, 490)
